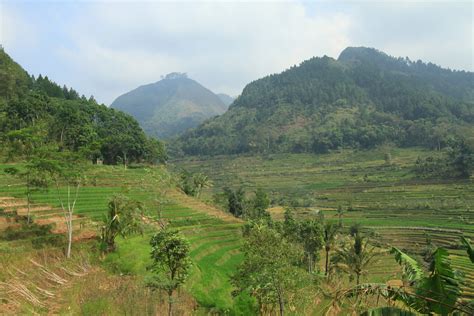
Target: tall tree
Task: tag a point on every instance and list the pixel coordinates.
(171, 262)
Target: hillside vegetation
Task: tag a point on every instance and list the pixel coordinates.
(36, 113)
(172, 105)
(362, 99)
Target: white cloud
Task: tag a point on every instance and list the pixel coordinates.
(106, 48)
(15, 31)
(224, 46)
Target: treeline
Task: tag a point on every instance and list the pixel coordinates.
(36, 112)
(356, 101)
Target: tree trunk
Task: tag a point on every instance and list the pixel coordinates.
(28, 199)
(327, 262)
(170, 302)
(282, 305)
(358, 277)
(125, 160)
(69, 235)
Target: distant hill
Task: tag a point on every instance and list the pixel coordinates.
(363, 99)
(225, 98)
(170, 106)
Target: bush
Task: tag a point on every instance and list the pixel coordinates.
(39, 235)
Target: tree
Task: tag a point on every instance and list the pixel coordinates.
(33, 179)
(235, 201)
(329, 238)
(171, 262)
(201, 181)
(123, 218)
(259, 205)
(268, 271)
(186, 184)
(461, 158)
(356, 256)
(310, 233)
(67, 170)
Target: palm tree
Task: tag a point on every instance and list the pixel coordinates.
(201, 181)
(355, 257)
(329, 237)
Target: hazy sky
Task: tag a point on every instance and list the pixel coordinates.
(106, 48)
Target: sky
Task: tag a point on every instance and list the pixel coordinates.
(106, 48)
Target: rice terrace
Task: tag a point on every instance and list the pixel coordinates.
(293, 169)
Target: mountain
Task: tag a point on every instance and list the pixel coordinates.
(170, 106)
(225, 98)
(360, 100)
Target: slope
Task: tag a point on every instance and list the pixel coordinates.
(170, 106)
(363, 99)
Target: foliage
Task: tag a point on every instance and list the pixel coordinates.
(236, 201)
(33, 178)
(123, 218)
(355, 256)
(470, 249)
(171, 262)
(325, 104)
(36, 112)
(310, 236)
(436, 293)
(269, 271)
(257, 207)
(457, 162)
(193, 184)
(39, 235)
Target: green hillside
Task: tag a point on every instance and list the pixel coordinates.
(362, 99)
(170, 106)
(37, 113)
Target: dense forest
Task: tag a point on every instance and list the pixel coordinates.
(36, 112)
(363, 99)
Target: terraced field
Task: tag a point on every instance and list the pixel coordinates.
(387, 197)
(214, 236)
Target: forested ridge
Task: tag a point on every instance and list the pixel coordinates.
(363, 99)
(37, 112)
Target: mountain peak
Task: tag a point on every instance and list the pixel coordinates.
(175, 75)
(361, 53)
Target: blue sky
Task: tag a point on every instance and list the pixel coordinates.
(106, 48)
